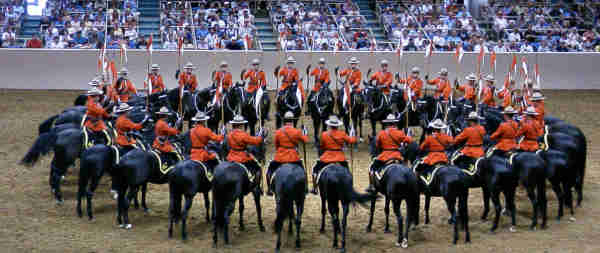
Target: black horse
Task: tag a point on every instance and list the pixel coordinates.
(288, 101)
(289, 184)
(335, 186)
(378, 105)
(137, 168)
(72, 115)
(232, 182)
(187, 179)
(357, 103)
(204, 102)
(239, 101)
(98, 159)
(450, 183)
(397, 183)
(320, 107)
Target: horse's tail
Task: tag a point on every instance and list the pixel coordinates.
(47, 124)
(354, 197)
(42, 146)
(221, 197)
(283, 212)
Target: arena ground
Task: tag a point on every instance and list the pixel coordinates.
(32, 222)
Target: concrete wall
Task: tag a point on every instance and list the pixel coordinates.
(72, 69)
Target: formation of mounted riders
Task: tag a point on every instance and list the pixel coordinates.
(467, 142)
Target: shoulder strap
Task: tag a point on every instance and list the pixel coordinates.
(392, 138)
(334, 140)
(440, 142)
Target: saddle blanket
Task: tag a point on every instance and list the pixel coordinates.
(209, 175)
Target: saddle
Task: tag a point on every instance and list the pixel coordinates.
(207, 172)
(429, 172)
(251, 176)
(318, 178)
(91, 138)
(166, 161)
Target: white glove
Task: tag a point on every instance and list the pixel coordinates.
(304, 131)
(223, 132)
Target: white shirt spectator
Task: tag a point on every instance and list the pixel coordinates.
(171, 45)
(501, 22)
(500, 49)
(525, 47)
(439, 40)
(477, 48)
(514, 36)
(57, 45)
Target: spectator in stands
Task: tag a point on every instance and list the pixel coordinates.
(35, 42)
(170, 44)
(56, 43)
(79, 41)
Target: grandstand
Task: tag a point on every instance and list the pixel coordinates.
(323, 25)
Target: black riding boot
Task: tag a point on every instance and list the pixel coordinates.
(374, 167)
(270, 170)
(256, 170)
(316, 169)
(267, 107)
(308, 109)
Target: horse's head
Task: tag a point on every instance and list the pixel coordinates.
(492, 121)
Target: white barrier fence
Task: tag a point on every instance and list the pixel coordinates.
(73, 69)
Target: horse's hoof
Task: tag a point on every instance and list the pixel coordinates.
(114, 194)
(147, 210)
(386, 231)
(404, 244)
(512, 229)
(128, 226)
(368, 230)
(121, 225)
(572, 219)
(59, 202)
(322, 231)
(532, 228)
(360, 140)
(262, 229)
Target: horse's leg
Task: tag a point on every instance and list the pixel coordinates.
(509, 194)
(533, 199)
(559, 196)
(386, 210)
(174, 206)
(256, 195)
(497, 207)
(427, 204)
(299, 212)
(291, 220)
(569, 198)
(371, 213)
(207, 206)
(90, 194)
(228, 211)
(323, 214)
(450, 200)
(464, 212)
(345, 211)
(278, 226)
(144, 191)
(316, 128)
(486, 201)
(188, 204)
(241, 210)
(542, 201)
(334, 212)
(82, 190)
(55, 175)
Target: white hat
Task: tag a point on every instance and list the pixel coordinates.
(164, 111)
(437, 124)
(94, 83)
(94, 92)
(353, 60)
(200, 116)
(223, 63)
(321, 60)
(489, 77)
(123, 107)
(528, 81)
(531, 111)
(416, 70)
(255, 62)
(189, 65)
(384, 61)
(471, 77)
(123, 71)
(288, 116)
(509, 110)
(473, 116)
(536, 87)
(537, 96)
(390, 119)
(443, 71)
(333, 121)
(155, 66)
(238, 119)
(291, 59)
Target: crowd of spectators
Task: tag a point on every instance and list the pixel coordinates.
(208, 24)
(506, 26)
(11, 15)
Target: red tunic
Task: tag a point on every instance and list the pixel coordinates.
(189, 81)
(389, 141)
(257, 79)
(124, 90)
(124, 125)
(443, 87)
(530, 131)
(162, 129)
(95, 116)
(238, 140)
(157, 83)
(200, 136)
(435, 145)
(468, 90)
(416, 85)
(224, 78)
(321, 76)
(473, 136)
(506, 135)
(354, 77)
(332, 142)
(286, 141)
(384, 79)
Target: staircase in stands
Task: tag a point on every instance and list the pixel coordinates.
(30, 26)
(367, 9)
(265, 33)
(149, 21)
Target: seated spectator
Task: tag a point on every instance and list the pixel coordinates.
(56, 44)
(34, 42)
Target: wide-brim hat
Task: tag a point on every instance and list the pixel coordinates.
(223, 63)
(255, 62)
(123, 107)
(471, 77)
(164, 111)
(489, 78)
(509, 110)
(443, 71)
(238, 119)
(155, 66)
(537, 96)
(384, 62)
(291, 60)
(189, 65)
(289, 116)
(390, 119)
(200, 116)
(123, 71)
(437, 124)
(95, 92)
(531, 111)
(333, 121)
(415, 70)
(321, 60)
(94, 83)
(353, 60)
(474, 116)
